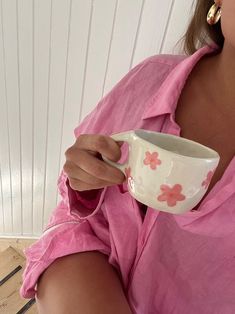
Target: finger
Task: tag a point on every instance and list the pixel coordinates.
(80, 186)
(98, 168)
(76, 173)
(102, 144)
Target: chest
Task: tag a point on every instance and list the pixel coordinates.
(179, 264)
(201, 122)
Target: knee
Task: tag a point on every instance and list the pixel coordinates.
(53, 292)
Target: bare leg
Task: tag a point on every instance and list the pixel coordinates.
(81, 283)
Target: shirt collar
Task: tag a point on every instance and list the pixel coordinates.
(165, 100)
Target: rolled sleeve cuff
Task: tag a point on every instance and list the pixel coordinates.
(84, 204)
(81, 205)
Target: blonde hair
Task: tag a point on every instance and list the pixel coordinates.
(199, 32)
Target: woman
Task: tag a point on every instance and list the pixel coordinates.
(102, 251)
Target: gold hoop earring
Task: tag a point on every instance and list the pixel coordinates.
(214, 15)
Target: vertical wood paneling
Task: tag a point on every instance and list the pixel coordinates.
(79, 28)
(97, 53)
(177, 25)
(153, 24)
(13, 104)
(128, 14)
(25, 68)
(57, 59)
(59, 39)
(42, 19)
(6, 193)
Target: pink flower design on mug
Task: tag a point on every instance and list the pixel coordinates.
(207, 181)
(171, 195)
(152, 160)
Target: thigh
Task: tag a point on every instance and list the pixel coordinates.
(81, 283)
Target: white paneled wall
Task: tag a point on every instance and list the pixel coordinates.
(57, 59)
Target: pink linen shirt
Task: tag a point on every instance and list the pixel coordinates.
(169, 264)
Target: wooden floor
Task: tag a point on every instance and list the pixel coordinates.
(17, 244)
(12, 263)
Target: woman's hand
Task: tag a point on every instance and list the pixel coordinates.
(85, 167)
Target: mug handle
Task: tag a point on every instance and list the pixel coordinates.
(125, 137)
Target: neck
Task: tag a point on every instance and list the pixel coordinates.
(225, 70)
(223, 79)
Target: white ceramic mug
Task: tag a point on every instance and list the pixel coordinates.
(166, 172)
